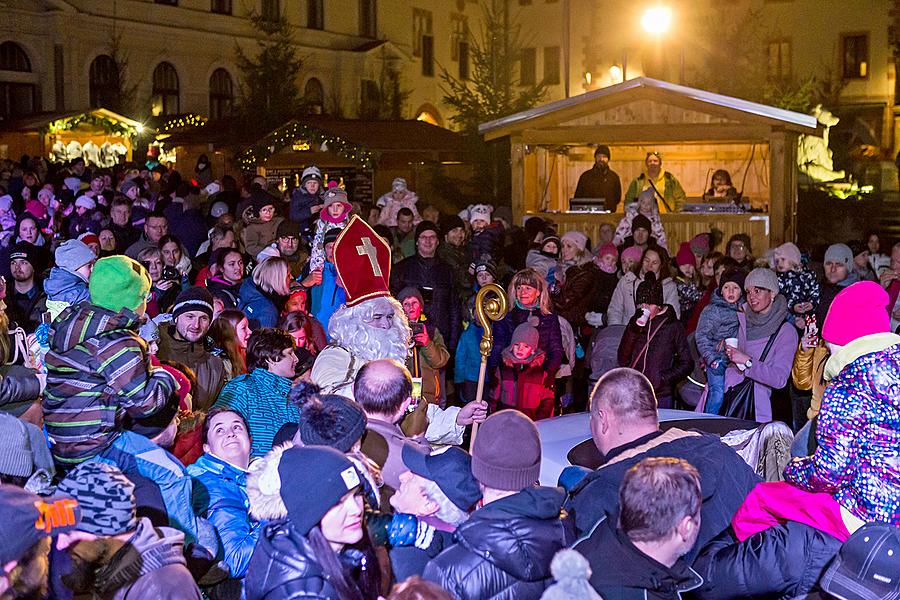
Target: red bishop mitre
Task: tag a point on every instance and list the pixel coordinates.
(363, 262)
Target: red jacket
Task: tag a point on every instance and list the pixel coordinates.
(525, 385)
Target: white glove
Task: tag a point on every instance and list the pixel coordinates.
(594, 319)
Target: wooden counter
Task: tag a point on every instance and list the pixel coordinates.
(679, 227)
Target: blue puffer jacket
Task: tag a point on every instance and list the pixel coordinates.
(468, 354)
(220, 495)
(260, 310)
(718, 321)
(66, 286)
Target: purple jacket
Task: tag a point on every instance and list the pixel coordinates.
(858, 433)
(768, 375)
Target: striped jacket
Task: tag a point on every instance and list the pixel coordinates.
(261, 397)
(97, 370)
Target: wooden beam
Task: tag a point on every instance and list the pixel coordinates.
(640, 134)
(780, 190)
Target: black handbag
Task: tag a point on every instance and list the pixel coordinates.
(740, 401)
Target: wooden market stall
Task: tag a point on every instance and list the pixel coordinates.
(696, 133)
(103, 138)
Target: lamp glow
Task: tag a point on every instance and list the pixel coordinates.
(657, 20)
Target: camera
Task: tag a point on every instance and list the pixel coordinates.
(417, 328)
(170, 273)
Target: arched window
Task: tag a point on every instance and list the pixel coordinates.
(314, 96)
(17, 98)
(13, 58)
(221, 94)
(165, 90)
(104, 82)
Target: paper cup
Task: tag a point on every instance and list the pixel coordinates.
(732, 342)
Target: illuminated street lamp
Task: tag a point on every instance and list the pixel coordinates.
(657, 20)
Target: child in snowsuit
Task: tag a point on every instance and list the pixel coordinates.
(524, 383)
(335, 214)
(798, 285)
(718, 322)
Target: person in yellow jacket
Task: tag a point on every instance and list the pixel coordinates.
(669, 194)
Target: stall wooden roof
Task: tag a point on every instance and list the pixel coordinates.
(39, 120)
(705, 117)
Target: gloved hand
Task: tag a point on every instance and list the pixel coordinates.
(594, 319)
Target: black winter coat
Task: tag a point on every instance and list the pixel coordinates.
(577, 294)
(504, 550)
(443, 308)
(667, 359)
(725, 481)
(550, 340)
(622, 572)
(606, 285)
(284, 567)
(784, 561)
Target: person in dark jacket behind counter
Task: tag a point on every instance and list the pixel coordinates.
(505, 548)
(305, 554)
(654, 342)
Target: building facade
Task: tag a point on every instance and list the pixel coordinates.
(384, 58)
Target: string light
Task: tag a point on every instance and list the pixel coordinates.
(287, 135)
(109, 126)
(182, 121)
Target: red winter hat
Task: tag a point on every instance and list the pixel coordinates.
(857, 311)
(363, 262)
(184, 386)
(685, 255)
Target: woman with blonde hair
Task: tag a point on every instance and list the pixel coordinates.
(529, 301)
(263, 296)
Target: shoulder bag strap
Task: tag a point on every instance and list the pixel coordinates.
(661, 197)
(769, 343)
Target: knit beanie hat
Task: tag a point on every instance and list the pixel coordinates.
(311, 172)
(24, 251)
(685, 255)
(331, 235)
(790, 252)
(506, 454)
(526, 333)
(288, 229)
(762, 278)
(218, 209)
(485, 265)
(89, 237)
(106, 497)
(451, 222)
(737, 276)
(73, 254)
(127, 186)
(194, 298)
(16, 457)
(632, 253)
(839, 253)
(411, 292)
(85, 202)
(641, 222)
(335, 195)
(260, 199)
(649, 291)
(331, 420)
(602, 149)
(700, 243)
(550, 239)
(480, 212)
(572, 573)
(118, 282)
(858, 310)
(577, 238)
(607, 248)
(311, 480)
(424, 226)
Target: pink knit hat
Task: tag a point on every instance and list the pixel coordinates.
(857, 311)
(790, 252)
(632, 252)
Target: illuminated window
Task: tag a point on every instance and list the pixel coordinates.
(855, 56)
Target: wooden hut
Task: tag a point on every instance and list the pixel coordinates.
(696, 133)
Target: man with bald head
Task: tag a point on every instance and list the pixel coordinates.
(625, 428)
(384, 390)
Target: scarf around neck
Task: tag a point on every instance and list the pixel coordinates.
(761, 326)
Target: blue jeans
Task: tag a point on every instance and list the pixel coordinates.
(136, 454)
(715, 386)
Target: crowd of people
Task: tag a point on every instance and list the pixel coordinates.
(212, 388)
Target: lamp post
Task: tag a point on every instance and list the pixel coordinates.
(657, 20)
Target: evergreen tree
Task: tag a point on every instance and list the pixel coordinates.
(270, 92)
(493, 90)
